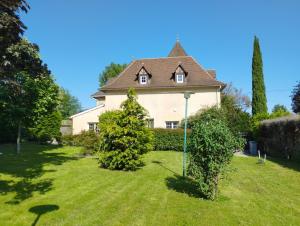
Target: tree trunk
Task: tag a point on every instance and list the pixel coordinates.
(19, 138)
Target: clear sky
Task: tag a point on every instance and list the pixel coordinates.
(79, 38)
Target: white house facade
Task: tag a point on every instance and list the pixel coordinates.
(160, 84)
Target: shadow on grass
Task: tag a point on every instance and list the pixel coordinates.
(40, 210)
(291, 164)
(27, 168)
(183, 185)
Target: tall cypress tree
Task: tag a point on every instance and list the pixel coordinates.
(259, 100)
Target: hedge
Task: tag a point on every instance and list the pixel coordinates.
(169, 139)
(281, 137)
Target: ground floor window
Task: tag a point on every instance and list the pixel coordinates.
(93, 126)
(150, 123)
(172, 124)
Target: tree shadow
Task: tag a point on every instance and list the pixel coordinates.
(40, 210)
(26, 168)
(183, 185)
(179, 183)
(291, 164)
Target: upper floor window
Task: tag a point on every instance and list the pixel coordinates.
(143, 79)
(179, 78)
(179, 75)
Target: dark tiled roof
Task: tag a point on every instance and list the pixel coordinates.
(162, 71)
(177, 50)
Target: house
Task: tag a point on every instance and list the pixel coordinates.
(160, 84)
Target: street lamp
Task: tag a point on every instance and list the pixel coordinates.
(187, 95)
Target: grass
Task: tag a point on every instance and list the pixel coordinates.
(52, 186)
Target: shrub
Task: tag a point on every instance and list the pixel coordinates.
(211, 148)
(47, 128)
(86, 139)
(281, 137)
(124, 137)
(168, 139)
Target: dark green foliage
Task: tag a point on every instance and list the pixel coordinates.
(124, 137)
(86, 139)
(110, 71)
(281, 137)
(47, 127)
(211, 148)
(168, 139)
(259, 100)
(12, 28)
(279, 111)
(68, 105)
(296, 98)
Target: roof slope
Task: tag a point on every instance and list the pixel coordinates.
(177, 50)
(162, 71)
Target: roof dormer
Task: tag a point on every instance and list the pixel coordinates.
(179, 75)
(143, 76)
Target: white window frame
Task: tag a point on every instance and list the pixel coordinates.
(94, 125)
(179, 76)
(172, 124)
(143, 79)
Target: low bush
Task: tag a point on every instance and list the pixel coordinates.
(212, 145)
(86, 139)
(169, 139)
(280, 137)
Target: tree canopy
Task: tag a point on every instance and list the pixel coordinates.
(109, 72)
(69, 105)
(259, 99)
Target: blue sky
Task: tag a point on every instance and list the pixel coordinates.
(78, 39)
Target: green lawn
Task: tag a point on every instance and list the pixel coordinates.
(52, 186)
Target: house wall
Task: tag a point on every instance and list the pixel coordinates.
(169, 105)
(162, 105)
(80, 121)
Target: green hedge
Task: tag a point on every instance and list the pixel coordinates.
(280, 137)
(86, 139)
(169, 139)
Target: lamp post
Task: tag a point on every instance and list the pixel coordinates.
(187, 95)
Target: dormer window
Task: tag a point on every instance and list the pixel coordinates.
(179, 75)
(143, 76)
(179, 78)
(143, 79)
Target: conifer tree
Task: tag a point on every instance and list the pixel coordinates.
(259, 100)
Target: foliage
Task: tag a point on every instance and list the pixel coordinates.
(168, 139)
(259, 100)
(47, 127)
(11, 26)
(86, 139)
(281, 137)
(110, 71)
(233, 97)
(124, 137)
(296, 98)
(69, 105)
(211, 148)
(255, 124)
(279, 111)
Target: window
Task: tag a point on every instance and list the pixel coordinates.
(150, 123)
(143, 79)
(179, 78)
(172, 124)
(93, 126)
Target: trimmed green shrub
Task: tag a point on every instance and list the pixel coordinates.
(124, 137)
(281, 137)
(211, 148)
(86, 139)
(169, 139)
